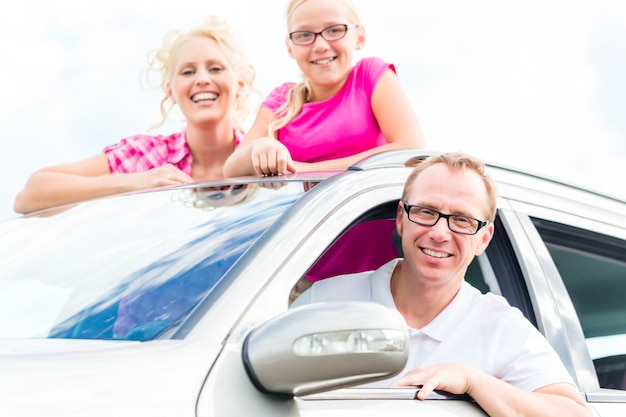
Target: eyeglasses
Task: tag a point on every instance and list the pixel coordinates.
(425, 216)
(329, 34)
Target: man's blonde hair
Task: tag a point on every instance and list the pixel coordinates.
(457, 161)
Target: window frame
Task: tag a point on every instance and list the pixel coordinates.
(556, 315)
(604, 249)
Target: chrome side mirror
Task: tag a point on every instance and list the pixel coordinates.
(326, 346)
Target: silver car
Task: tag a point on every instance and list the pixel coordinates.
(175, 302)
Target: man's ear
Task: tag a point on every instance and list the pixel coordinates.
(399, 214)
(396, 236)
(485, 238)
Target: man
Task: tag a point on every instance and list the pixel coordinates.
(461, 340)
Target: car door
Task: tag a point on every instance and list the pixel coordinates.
(572, 255)
(592, 269)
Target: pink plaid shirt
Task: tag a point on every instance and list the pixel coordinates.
(141, 153)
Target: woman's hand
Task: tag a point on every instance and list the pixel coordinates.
(163, 176)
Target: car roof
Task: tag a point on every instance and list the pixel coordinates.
(524, 188)
(514, 184)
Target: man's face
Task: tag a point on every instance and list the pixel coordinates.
(434, 254)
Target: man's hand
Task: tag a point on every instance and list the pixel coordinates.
(496, 397)
(452, 378)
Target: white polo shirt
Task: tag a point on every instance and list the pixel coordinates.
(481, 330)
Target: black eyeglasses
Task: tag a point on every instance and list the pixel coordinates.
(425, 216)
(329, 34)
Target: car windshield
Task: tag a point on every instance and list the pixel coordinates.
(127, 267)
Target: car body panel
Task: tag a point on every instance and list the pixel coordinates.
(98, 378)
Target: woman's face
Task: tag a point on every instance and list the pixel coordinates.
(205, 86)
(326, 64)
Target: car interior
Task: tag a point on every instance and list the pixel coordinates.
(376, 225)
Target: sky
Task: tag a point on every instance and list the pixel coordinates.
(535, 84)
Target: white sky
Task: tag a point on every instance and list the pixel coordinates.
(535, 84)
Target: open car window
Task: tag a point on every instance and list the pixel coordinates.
(593, 269)
(370, 242)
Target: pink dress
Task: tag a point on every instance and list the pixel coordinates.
(341, 126)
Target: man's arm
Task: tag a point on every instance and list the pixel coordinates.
(496, 397)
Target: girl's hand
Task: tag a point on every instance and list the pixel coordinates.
(270, 157)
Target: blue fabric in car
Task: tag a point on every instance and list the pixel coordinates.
(167, 302)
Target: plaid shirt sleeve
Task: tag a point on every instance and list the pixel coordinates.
(141, 153)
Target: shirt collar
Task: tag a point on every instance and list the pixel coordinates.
(381, 284)
(444, 323)
(180, 148)
(238, 136)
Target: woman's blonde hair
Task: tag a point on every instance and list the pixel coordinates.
(163, 62)
(300, 93)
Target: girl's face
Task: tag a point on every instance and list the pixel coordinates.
(326, 64)
(205, 86)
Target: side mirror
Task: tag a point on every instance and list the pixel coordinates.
(326, 346)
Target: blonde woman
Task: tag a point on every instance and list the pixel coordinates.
(339, 113)
(205, 74)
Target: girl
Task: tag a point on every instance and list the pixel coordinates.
(339, 113)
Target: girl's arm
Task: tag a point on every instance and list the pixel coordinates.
(395, 115)
(258, 154)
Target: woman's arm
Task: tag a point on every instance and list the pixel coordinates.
(90, 178)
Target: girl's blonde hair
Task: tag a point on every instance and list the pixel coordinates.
(300, 93)
(163, 62)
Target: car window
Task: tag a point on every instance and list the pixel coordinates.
(593, 269)
(129, 267)
(363, 247)
(367, 244)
